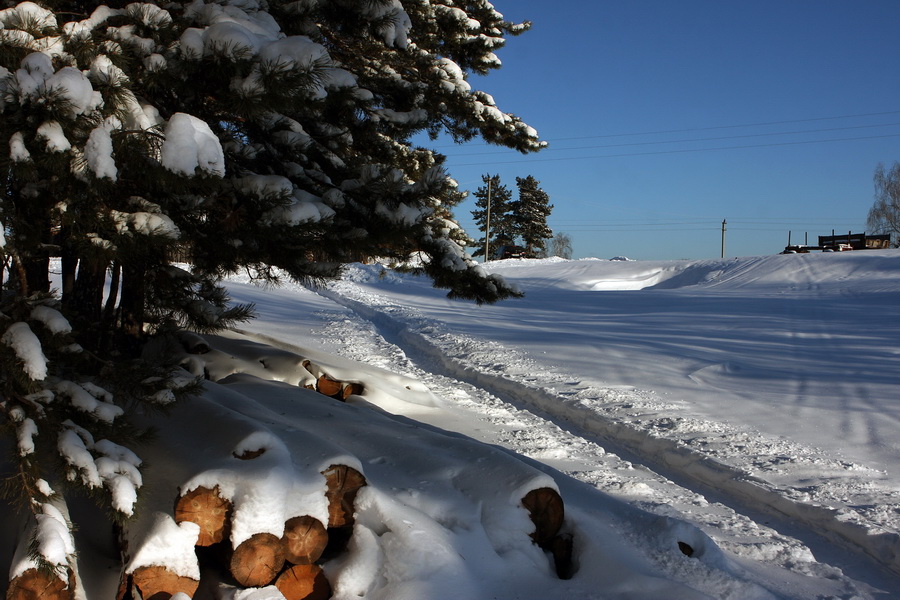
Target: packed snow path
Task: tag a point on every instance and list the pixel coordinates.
(574, 416)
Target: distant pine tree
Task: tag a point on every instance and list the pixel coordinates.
(502, 219)
(530, 215)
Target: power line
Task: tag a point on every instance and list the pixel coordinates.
(681, 151)
(713, 128)
(764, 124)
(689, 140)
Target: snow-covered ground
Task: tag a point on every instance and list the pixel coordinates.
(742, 410)
(754, 399)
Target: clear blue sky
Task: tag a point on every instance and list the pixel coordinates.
(666, 117)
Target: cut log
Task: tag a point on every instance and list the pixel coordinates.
(545, 507)
(40, 585)
(304, 582)
(158, 583)
(561, 547)
(351, 389)
(208, 509)
(257, 561)
(343, 484)
(304, 540)
(249, 454)
(328, 386)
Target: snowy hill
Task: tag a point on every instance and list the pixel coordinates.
(716, 429)
(761, 385)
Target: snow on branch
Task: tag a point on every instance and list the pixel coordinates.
(28, 349)
(116, 467)
(191, 145)
(52, 319)
(50, 544)
(90, 399)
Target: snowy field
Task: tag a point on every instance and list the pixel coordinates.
(753, 399)
(723, 429)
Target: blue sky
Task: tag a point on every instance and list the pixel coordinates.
(665, 118)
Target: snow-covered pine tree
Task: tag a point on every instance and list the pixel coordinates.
(530, 212)
(502, 220)
(273, 137)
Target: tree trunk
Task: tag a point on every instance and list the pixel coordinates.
(257, 561)
(304, 540)
(343, 484)
(304, 582)
(69, 262)
(37, 274)
(107, 319)
(87, 293)
(40, 585)
(209, 510)
(134, 282)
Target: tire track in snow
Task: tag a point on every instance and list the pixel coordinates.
(529, 434)
(589, 419)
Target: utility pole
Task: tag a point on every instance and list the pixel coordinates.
(723, 238)
(487, 224)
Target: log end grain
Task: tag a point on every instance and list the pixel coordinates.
(40, 585)
(158, 583)
(343, 484)
(209, 510)
(547, 512)
(304, 540)
(328, 386)
(351, 389)
(257, 561)
(304, 582)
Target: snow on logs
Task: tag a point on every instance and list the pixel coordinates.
(278, 366)
(251, 505)
(46, 537)
(259, 559)
(159, 557)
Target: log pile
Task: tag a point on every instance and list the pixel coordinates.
(292, 562)
(289, 562)
(210, 558)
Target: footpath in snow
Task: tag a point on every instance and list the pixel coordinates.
(631, 378)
